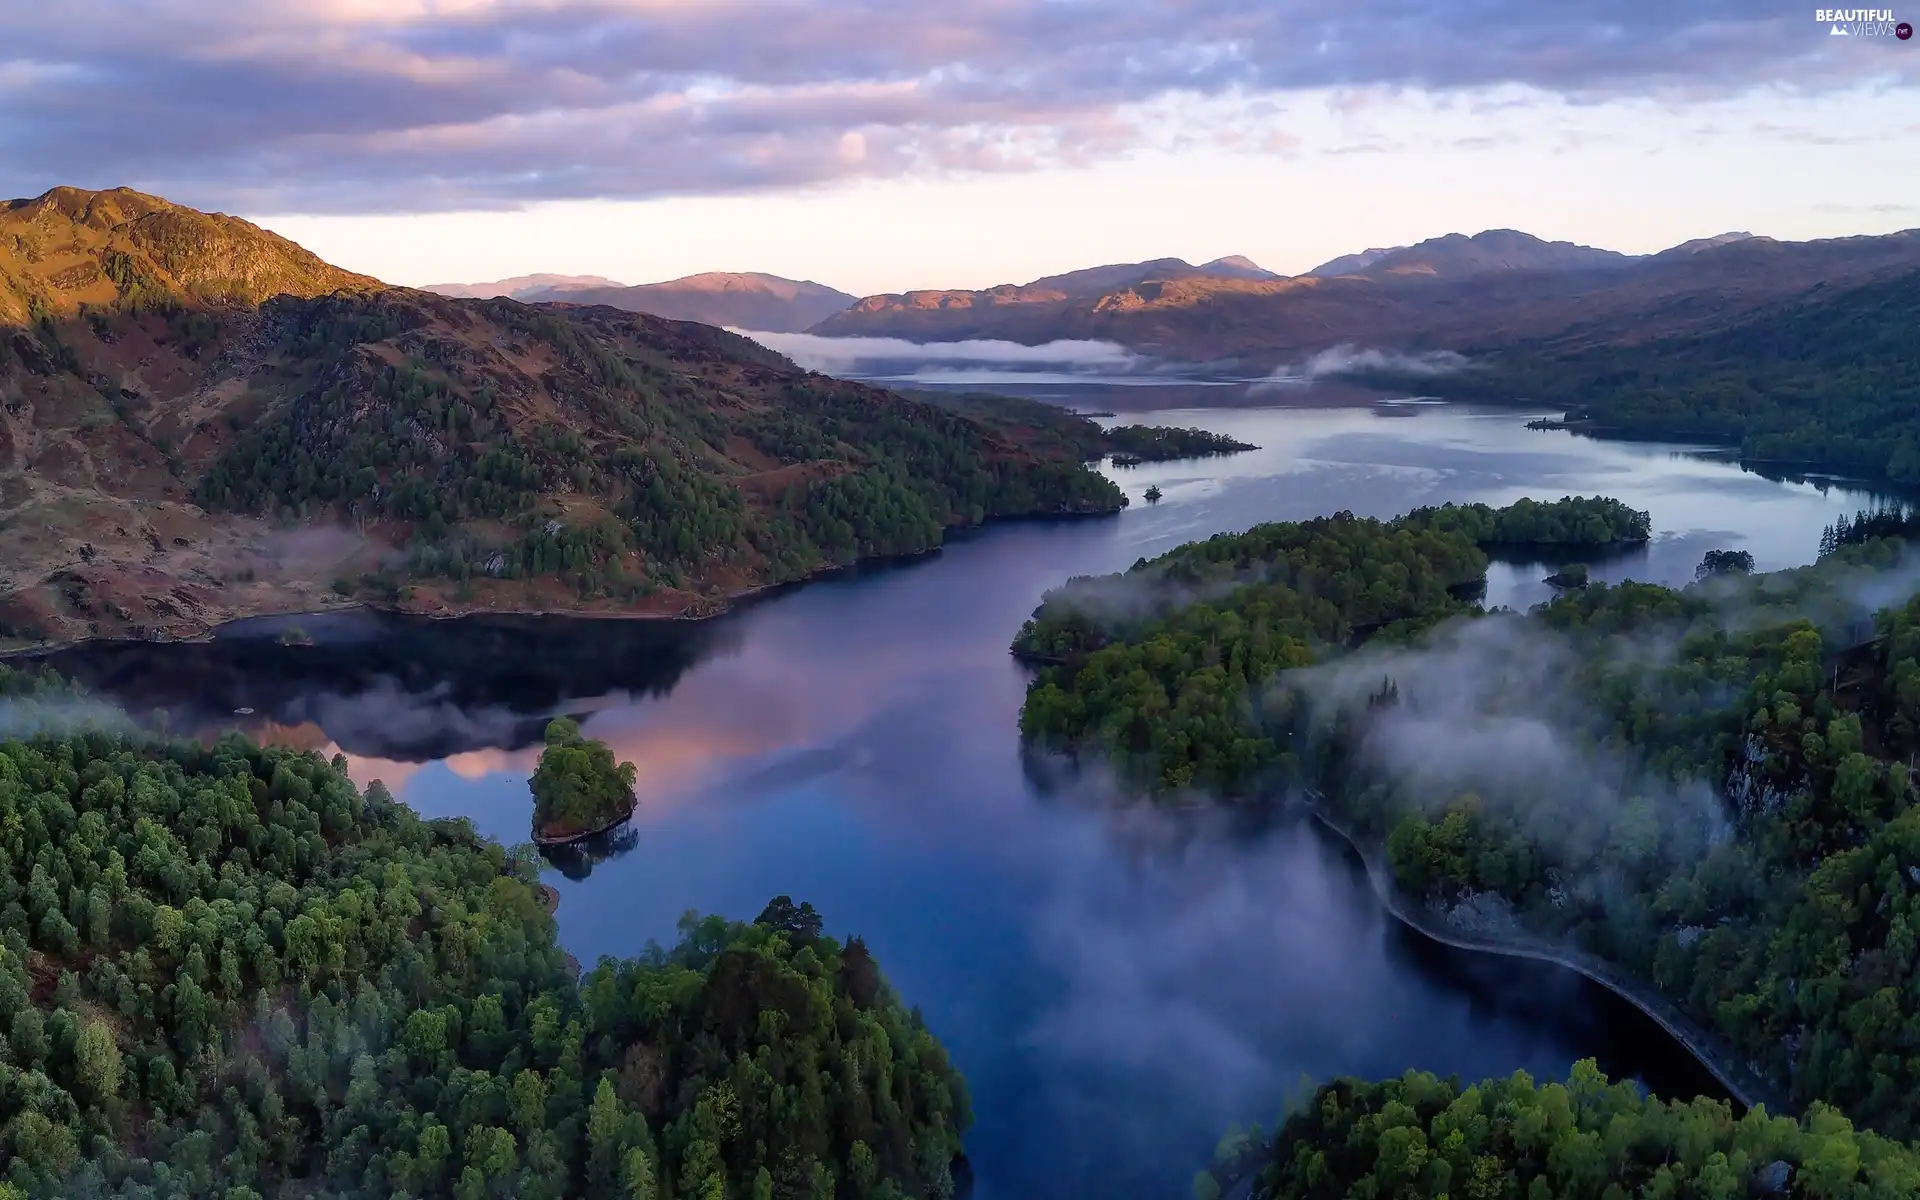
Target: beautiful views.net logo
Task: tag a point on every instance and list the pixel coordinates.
(1862, 22)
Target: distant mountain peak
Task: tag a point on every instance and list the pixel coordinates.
(1347, 264)
(1695, 245)
(1237, 266)
(1460, 255)
(519, 287)
(734, 299)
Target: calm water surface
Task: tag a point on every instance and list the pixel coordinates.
(1117, 985)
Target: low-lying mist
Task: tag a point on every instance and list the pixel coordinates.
(1499, 707)
(884, 356)
(1347, 358)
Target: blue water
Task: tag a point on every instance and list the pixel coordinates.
(1116, 983)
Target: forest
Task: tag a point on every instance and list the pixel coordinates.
(1131, 445)
(1529, 524)
(577, 787)
(1584, 1139)
(1829, 381)
(1164, 668)
(1049, 425)
(631, 470)
(1710, 788)
(225, 972)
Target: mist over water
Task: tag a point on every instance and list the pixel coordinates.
(1117, 983)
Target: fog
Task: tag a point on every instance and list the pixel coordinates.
(899, 357)
(1346, 358)
(1497, 706)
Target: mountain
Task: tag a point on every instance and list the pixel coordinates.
(1351, 264)
(1093, 280)
(1829, 378)
(1237, 266)
(521, 287)
(1455, 292)
(1457, 256)
(1705, 243)
(746, 300)
(71, 248)
(1009, 310)
(201, 421)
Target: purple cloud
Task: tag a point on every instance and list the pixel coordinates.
(419, 105)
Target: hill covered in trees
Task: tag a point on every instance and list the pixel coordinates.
(250, 430)
(1827, 379)
(225, 972)
(577, 787)
(1585, 1139)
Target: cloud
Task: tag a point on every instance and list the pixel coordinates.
(1347, 358)
(278, 106)
(873, 357)
(1497, 707)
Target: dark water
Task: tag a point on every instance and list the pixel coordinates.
(1117, 985)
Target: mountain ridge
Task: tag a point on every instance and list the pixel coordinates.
(520, 287)
(729, 299)
(69, 249)
(230, 427)
(1455, 293)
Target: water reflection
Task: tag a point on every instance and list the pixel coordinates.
(576, 860)
(411, 689)
(1117, 983)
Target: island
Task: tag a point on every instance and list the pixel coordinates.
(1132, 445)
(1057, 429)
(578, 789)
(1573, 575)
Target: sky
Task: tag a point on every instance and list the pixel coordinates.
(882, 145)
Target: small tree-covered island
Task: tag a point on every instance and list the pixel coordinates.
(225, 972)
(578, 790)
(1701, 797)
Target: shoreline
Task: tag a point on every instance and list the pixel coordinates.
(542, 839)
(701, 608)
(1707, 1048)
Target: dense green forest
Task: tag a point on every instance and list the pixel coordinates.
(1782, 917)
(1165, 668)
(629, 473)
(1131, 445)
(1585, 1139)
(1568, 521)
(226, 973)
(1052, 427)
(1831, 380)
(577, 787)
(1720, 797)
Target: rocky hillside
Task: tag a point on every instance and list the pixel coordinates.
(216, 424)
(71, 249)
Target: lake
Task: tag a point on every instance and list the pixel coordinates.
(1118, 984)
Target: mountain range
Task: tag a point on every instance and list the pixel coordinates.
(1455, 292)
(731, 300)
(199, 420)
(521, 287)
